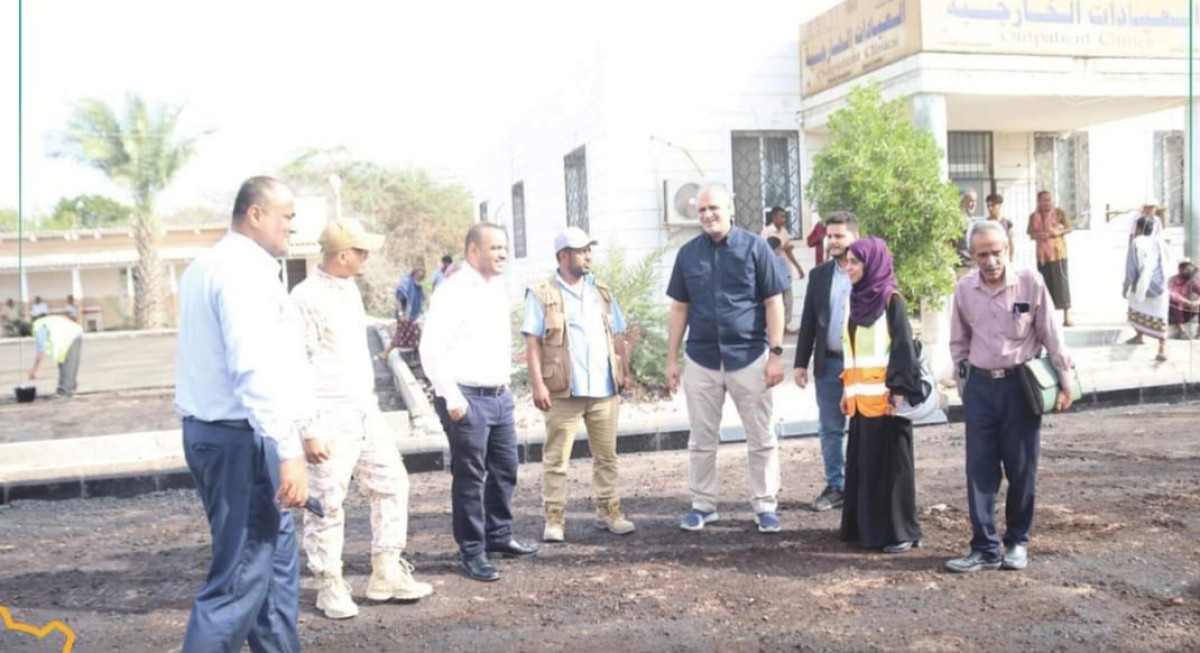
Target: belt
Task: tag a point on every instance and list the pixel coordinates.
(483, 390)
(1001, 373)
(834, 354)
(239, 424)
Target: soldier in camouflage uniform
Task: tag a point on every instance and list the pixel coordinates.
(358, 443)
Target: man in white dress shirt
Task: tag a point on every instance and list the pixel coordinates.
(351, 437)
(245, 390)
(467, 355)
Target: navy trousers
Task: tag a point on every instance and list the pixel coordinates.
(483, 459)
(252, 592)
(1003, 433)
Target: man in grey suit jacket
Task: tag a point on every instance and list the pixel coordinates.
(826, 304)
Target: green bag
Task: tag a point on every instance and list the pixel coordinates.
(1040, 380)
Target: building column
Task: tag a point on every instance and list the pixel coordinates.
(1191, 182)
(129, 282)
(928, 112)
(173, 279)
(24, 288)
(77, 287)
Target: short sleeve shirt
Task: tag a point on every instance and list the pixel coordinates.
(587, 339)
(725, 284)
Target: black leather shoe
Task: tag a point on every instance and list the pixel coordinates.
(480, 568)
(513, 549)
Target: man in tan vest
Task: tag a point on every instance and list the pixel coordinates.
(573, 329)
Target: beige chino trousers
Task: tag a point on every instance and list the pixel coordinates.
(705, 390)
(599, 415)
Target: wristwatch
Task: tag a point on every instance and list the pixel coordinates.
(777, 350)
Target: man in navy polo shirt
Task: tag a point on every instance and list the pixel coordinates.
(728, 293)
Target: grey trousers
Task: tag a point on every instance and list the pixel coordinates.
(68, 370)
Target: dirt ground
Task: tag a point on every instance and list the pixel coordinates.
(1113, 562)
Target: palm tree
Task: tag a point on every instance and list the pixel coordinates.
(140, 152)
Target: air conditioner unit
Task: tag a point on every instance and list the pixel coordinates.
(679, 203)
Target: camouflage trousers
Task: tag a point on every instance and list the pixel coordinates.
(363, 447)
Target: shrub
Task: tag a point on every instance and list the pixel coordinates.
(635, 284)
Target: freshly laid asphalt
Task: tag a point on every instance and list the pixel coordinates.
(127, 464)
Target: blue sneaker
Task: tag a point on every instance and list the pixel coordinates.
(768, 522)
(695, 519)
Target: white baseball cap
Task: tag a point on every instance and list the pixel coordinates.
(574, 238)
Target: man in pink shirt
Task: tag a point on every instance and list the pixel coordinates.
(1185, 300)
(1002, 317)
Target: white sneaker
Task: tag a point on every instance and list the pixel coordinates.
(391, 578)
(334, 598)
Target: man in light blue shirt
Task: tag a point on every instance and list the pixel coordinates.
(577, 363)
(410, 296)
(245, 391)
(444, 271)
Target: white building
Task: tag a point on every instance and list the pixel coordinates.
(1085, 101)
(711, 97)
(97, 267)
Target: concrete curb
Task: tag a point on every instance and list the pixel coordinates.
(431, 454)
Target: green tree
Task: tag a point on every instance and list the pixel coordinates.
(422, 219)
(141, 151)
(87, 212)
(888, 173)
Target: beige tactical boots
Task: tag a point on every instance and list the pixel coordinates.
(334, 597)
(391, 578)
(609, 517)
(556, 524)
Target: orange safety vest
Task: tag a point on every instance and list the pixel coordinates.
(865, 373)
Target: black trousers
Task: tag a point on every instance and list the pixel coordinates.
(1002, 433)
(483, 460)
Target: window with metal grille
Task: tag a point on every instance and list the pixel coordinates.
(766, 174)
(483, 212)
(518, 213)
(575, 178)
(1061, 164)
(1168, 174)
(970, 163)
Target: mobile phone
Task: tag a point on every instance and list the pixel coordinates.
(315, 507)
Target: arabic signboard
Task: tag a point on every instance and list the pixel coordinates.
(859, 36)
(1076, 28)
(856, 37)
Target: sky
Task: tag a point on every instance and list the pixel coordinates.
(430, 84)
